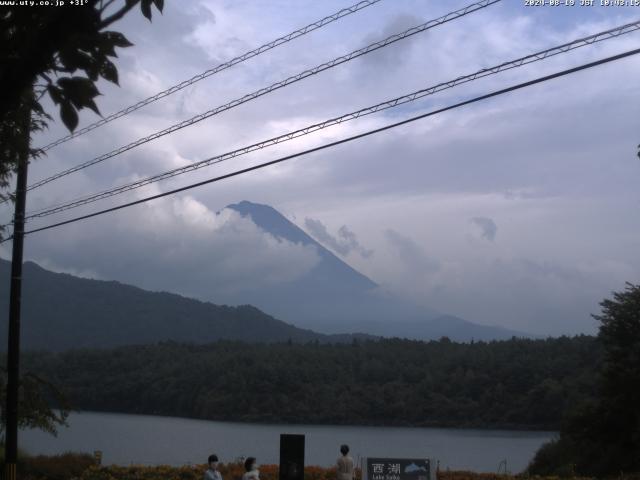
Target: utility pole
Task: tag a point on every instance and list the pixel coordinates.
(13, 351)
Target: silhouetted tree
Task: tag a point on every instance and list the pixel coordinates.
(60, 52)
(603, 437)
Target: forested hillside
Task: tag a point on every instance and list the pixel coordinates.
(512, 384)
(61, 311)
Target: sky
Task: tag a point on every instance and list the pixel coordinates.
(519, 211)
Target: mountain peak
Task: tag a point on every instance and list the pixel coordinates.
(331, 270)
(248, 207)
(272, 221)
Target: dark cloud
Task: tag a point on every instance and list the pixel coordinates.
(391, 57)
(345, 243)
(350, 239)
(487, 226)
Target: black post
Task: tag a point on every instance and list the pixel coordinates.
(13, 352)
(291, 457)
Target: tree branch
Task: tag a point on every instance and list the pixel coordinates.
(106, 5)
(117, 15)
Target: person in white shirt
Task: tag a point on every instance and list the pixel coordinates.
(251, 469)
(212, 472)
(344, 464)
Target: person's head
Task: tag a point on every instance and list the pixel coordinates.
(250, 464)
(344, 449)
(213, 461)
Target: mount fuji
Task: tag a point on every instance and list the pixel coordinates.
(333, 297)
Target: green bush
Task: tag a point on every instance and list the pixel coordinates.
(554, 458)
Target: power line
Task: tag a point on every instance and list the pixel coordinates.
(283, 83)
(538, 56)
(345, 140)
(217, 69)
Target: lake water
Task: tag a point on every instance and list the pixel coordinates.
(149, 440)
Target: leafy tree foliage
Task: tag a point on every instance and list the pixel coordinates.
(517, 383)
(602, 437)
(36, 397)
(60, 52)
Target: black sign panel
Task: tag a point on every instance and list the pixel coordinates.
(291, 457)
(398, 469)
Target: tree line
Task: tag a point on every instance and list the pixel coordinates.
(518, 383)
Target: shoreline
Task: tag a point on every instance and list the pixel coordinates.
(274, 422)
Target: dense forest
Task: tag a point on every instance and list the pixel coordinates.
(508, 384)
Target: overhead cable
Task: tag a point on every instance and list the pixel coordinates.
(283, 83)
(534, 57)
(344, 140)
(217, 69)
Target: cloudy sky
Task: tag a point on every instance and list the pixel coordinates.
(520, 211)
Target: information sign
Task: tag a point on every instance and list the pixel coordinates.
(399, 469)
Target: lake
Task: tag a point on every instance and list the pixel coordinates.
(149, 440)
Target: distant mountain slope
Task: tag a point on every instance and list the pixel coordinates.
(334, 297)
(60, 311)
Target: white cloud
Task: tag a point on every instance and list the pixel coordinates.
(178, 244)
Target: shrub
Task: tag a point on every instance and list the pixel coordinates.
(56, 467)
